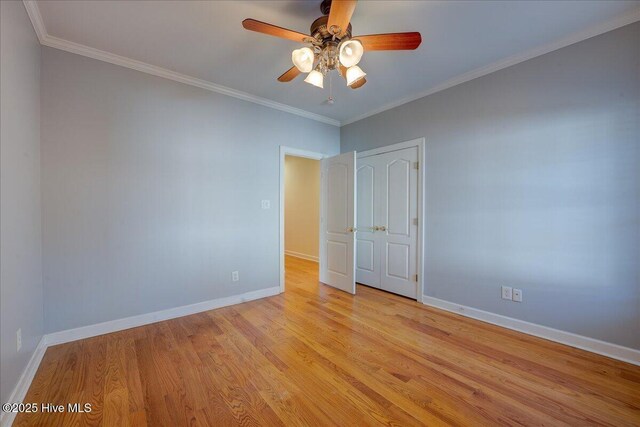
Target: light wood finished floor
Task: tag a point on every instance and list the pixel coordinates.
(317, 356)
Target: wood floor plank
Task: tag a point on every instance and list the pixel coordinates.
(318, 356)
(468, 356)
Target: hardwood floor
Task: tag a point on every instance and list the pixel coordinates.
(317, 356)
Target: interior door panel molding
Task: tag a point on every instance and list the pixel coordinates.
(406, 249)
(337, 222)
(336, 263)
(364, 176)
(361, 255)
(394, 202)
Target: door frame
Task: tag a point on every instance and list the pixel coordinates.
(296, 152)
(420, 250)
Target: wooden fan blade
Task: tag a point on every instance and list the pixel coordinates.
(391, 41)
(340, 15)
(289, 75)
(358, 83)
(273, 30)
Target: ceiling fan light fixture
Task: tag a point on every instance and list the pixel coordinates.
(303, 59)
(315, 78)
(350, 52)
(354, 74)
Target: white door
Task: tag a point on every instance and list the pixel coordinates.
(337, 222)
(389, 261)
(367, 243)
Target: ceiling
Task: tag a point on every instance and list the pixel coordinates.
(205, 40)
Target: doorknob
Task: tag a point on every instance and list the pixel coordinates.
(374, 228)
(382, 228)
(352, 229)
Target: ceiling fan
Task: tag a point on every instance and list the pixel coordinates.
(331, 45)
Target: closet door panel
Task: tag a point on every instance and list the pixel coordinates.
(367, 245)
(399, 200)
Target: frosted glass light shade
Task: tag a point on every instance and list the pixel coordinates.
(303, 59)
(350, 53)
(354, 74)
(315, 78)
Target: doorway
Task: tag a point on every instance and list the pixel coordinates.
(398, 220)
(299, 206)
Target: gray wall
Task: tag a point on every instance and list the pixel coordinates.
(533, 181)
(20, 237)
(152, 191)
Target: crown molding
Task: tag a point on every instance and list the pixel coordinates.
(36, 19)
(80, 49)
(622, 20)
(101, 55)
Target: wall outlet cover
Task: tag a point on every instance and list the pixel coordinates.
(235, 276)
(266, 204)
(507, 292)
(517, 295)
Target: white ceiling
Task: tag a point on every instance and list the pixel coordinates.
(206, 40)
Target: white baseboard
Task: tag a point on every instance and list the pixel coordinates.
(301, 255)
(156, 316)
(593, 345)
(21, 388)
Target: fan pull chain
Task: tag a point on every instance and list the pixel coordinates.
(330, 100)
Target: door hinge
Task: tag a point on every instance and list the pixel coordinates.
(416, 165)
(416, 277)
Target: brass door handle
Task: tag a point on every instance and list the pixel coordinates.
(382, 228)
(352, 229)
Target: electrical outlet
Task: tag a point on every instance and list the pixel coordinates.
(19, 338)
(517, 295)
(507, 292)
(266, 204)
(235, 276)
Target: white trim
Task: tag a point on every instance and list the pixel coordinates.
(21, 388)
(157, 316)
(289, 151)
(55, 338)
(420, 144)
(101, 55)
(301, 255)
(593, 345)
(58, 43)
(36, 18)
(393, 147)
(625, 19)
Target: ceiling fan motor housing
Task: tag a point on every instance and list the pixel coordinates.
(325, 41)
(320, 32)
